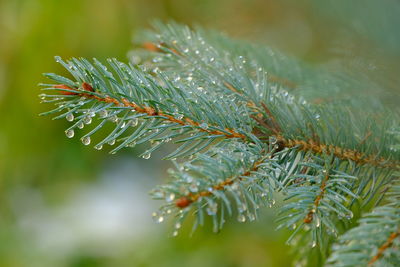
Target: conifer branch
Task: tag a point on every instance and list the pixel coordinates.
(245, 138)
(174, 50)
(381, 250)
(228, 133)
(185, 201)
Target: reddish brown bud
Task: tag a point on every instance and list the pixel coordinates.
(183, 202)
(63, 86)
(151, 47)
(87, 87)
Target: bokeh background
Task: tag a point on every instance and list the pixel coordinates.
(64, 204)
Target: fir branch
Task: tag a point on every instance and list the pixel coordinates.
(316, 198)
(381, 250)
(187, 49)
(246, 179)
(148, 97)
(150, 111)
(375, 241)
(185, 201)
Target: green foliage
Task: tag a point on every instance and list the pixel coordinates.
(243, 137)
(375, 240)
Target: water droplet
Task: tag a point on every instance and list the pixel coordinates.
(158, 218)
(178, 225)
(197, 52)
(212, 209)
(80, 125)
(103, 113)
(204, 126)
(134, 122)
(349, 216)
(170, 197)
(98, 147)
(251, 216)
(241, 218)
(123, 125)
(212, 59)
(317, 221)
(193, 188)
(242, 207)
(235, 186)
(146, 156)
(114, 119)
(186, 50)
(70, 133)
(111, 142)
(179, 116)
(314, 244)
(85, 140)
(87, 120)
(175, 233)
(70, 117)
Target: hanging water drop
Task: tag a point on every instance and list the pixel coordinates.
(349, 216)
(179, 116)
(70, 117)
(146, 156)
(175, 233)
(85, 140)
(241, 218)
(80, 125)
(134, 122)
(114, 119)
(251, 216)
(103, 113)
(193, 188)
(178, 225)
(87, 120)
(314, 244)
(204, 126)
(70, 133)
(111, 142)
(212, 209)
(158, 218)
(170, 197)
(98, 147)
(317, 221)
(242, 207)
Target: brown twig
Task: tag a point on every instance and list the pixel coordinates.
(388, 243)
(229, 133)
(310, 215)
(190, 198)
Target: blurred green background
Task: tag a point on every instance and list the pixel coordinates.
(64, 204)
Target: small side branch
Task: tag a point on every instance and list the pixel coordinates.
(87, 88)
(185, 201)
(310, 215)
(386, 245)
